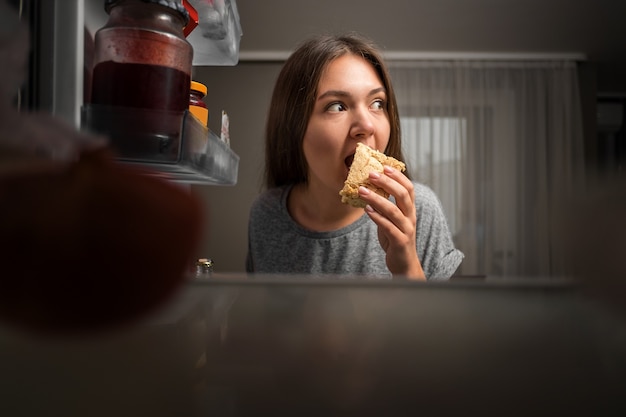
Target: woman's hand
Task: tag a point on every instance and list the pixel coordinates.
(396, 222)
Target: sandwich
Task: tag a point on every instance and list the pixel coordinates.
(366, 160)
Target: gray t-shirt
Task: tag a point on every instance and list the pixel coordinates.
(279, 245)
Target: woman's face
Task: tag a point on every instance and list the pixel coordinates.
(350, 107)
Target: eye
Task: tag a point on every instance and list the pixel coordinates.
(378, 105)
(335, 107)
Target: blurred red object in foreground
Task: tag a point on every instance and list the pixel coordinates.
(92, 244)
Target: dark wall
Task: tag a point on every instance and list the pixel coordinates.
(611, 77)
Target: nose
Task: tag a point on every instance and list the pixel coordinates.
(362, 123)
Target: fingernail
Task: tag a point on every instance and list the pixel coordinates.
(364, 190)
(374, 175)
(388, 169)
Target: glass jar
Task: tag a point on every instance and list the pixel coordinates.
(142, 58)
(204, 268)
(197, 106)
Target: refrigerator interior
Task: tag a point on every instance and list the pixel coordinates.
(245, 346)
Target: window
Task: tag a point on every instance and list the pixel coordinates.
(500, 143)
(433, 148)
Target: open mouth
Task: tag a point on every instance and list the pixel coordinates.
(348, 160)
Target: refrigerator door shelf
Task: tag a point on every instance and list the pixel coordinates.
(173, 145)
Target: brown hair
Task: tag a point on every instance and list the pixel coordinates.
(293, 100)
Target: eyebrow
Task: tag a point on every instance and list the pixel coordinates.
(341, 93)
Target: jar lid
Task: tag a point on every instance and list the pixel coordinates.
(199, 87)
(172, 4)
(204, 267)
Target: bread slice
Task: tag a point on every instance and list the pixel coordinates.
(365, 161)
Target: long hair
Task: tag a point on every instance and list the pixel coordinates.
(293, 100)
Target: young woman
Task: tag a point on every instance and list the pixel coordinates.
(333, 92)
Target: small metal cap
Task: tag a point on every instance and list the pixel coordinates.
(204, 267)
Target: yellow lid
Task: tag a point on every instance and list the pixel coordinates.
(201, 113)
(199, 87)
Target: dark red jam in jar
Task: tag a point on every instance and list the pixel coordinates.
(142, 58)
(142, 72)
(140, 85)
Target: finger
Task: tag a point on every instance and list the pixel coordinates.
(386, 214)
(386, 227)
(398, 185)
(397, 175)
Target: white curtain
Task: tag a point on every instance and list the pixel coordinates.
(501, 144)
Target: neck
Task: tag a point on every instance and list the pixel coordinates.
(320, 209)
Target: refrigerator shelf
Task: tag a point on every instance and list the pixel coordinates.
(173, 145)
(216, 39)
